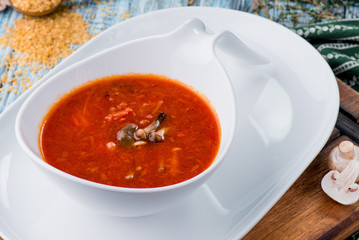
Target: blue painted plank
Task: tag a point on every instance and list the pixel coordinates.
(110, 12)
(232, 4)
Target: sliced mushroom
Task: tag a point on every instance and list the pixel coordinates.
(125, 135)
(157, 136)
(142, 134)
(341, 186)
(341, 155)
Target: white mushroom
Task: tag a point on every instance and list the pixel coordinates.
(341, 155)
(341, 186)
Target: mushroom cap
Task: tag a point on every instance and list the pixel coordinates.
(343, 196)
(125, 135)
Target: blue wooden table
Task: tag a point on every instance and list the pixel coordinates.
(102, 14)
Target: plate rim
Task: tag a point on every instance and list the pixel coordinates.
(309, 155)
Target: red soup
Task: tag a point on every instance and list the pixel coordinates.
(136, 131)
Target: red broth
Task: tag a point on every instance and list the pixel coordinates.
(79, 133)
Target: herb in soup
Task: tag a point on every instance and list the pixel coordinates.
(136, 131)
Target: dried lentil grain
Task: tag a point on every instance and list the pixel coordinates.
(46, 40)
(35, 5)
(38, 44)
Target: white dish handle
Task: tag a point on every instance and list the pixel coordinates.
(247, 70)
(193, 32)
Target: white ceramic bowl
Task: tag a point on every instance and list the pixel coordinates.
(179, 55)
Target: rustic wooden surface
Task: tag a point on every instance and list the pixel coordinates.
(347, 126)
(349, 100)
(305, 211)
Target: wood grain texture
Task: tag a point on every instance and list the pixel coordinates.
(306, 212)
(348, 127)
(335, 134)
(349, 100)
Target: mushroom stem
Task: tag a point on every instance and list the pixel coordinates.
(154, 125)
(346, 150)
(347, 177)
(341, 187)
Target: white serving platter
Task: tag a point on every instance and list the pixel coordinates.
(282, 125)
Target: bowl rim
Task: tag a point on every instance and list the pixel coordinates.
(43, 164)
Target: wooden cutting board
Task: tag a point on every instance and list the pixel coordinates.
(305, 211)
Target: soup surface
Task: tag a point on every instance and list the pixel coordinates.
(136, 131)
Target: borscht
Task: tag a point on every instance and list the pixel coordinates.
(134, 131)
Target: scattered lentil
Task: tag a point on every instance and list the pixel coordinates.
(35, 5)
(126, 15)
(38, 44)
(47, 39)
